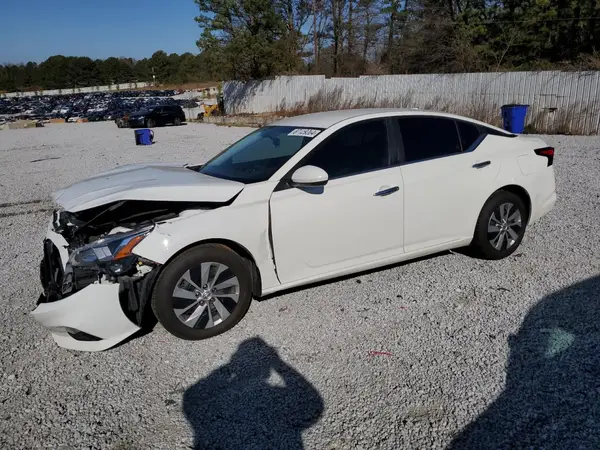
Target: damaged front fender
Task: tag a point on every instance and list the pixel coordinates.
(97, 287)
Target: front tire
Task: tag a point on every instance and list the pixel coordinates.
(203, 292)
(501, 226)
(150, 123)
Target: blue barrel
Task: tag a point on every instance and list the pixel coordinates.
(513, 118)
(145, 136)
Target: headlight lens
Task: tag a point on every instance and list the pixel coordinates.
(110, 248)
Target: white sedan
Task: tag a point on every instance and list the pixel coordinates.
(304, 199)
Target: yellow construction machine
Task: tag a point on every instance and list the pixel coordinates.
(212, 110)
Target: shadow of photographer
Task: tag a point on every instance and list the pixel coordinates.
(256, 400)
(552, 393)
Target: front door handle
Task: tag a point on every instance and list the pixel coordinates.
(387, 191)
(481, 164)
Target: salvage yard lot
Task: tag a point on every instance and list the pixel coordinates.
(444, 351)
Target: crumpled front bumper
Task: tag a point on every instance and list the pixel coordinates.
(91, 319)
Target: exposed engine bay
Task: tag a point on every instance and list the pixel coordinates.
(100, 243)
(81, 228)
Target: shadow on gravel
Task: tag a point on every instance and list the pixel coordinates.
(255, 401)
(552, 394)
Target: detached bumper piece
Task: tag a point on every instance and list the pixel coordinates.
(89, 319)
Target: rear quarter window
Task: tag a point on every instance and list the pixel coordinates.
(469, 134)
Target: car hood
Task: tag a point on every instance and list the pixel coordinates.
(152, 182)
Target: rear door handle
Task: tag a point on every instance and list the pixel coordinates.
(387, 191)
(481, 164)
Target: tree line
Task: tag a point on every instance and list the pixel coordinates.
(253, 39)
(60, 72)
(261, 38)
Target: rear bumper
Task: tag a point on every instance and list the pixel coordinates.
(544, 199)
(89, 320)
(543, 208)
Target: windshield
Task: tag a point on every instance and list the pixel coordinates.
(257, 156)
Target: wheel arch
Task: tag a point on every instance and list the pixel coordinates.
(477, 239)
(521, 192)
(237, 248)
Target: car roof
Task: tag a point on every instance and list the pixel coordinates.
(329, 118)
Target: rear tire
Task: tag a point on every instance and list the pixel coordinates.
(177, 121)
(150, 123)
(203, 292)
(501, 226)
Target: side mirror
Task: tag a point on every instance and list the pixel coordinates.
(309, 176)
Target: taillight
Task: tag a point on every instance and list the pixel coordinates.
(548, 152)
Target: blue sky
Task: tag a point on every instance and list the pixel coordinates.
(33, 30)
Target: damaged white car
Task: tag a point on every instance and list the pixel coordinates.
(301, 200)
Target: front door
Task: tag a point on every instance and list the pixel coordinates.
(355, 219)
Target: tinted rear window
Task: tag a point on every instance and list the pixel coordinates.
(428, 137)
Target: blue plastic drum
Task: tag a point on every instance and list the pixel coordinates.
(145, 136)
(513, 118)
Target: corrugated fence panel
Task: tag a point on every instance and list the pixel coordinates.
(565, 101)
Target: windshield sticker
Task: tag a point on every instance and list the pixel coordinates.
(305, 132)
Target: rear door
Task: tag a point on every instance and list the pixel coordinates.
(178, 112)
(447, 176)
(171, 113)
(356, 218)
(156, 115)
(164, 115)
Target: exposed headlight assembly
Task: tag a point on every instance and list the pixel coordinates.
(112, 250)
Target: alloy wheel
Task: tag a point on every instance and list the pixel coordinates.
(504, 226)
(206, 295)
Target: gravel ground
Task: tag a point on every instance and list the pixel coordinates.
(478, 354)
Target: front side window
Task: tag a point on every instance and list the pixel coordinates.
(257, 156)
(357, 148)
(428, 137)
